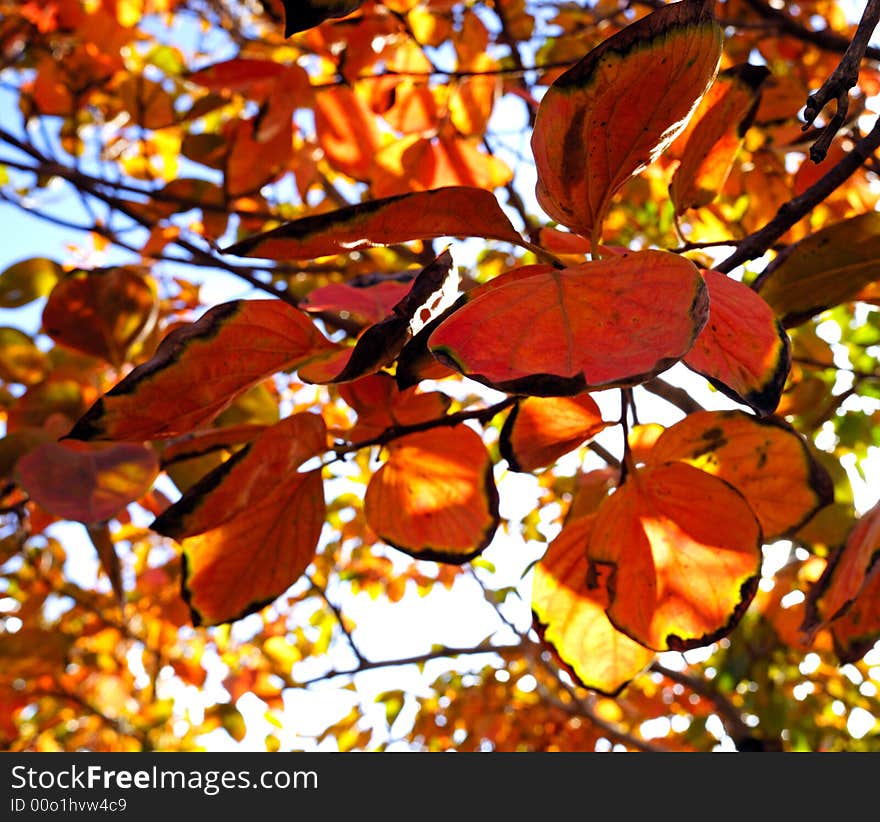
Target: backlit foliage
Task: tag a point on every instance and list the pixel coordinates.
(544, 379)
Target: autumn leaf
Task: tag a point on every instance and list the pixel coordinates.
(21, 361)
(104, 313)
(587, 144)
(363, 305)
(87, 482)
(857, 630)
(380, 405)
(828, 267)
(248, 475)
(763, 458)
(379, 344)
(249, 528)
(568, 603)
(200, 368)
(743, 349)
(435, 496)
(446, 212)
(346, 131)
(613, 322)
(539, 430)
(715, 134)
(846, 573)
(683, 549)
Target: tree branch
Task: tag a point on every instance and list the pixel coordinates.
(794, 210)
(842, 79)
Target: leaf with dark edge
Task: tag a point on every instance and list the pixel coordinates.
(608, 323)
(845, 574)
(454, 211)
(379, 344)
(300, 15)
(715, 134)
(613, 112)
(857, 630)
(826, 268)
(765, 459)
(200, 368)
(249, 529)
(247, 477)
(539, 430)
(684, 552)
(568, 607)
(435, 497)
(743, 349)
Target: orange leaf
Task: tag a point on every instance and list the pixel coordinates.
(200, 368)
(447, 212)
(255, 158)
(250, 527)
(846, 574)
(856, 631)
(246, 478)
(346, 131)
(473, 98)
(764, 459)
(103, 313)
(685, 554)
(87, 482)
(417, 163)
(540, 430)
(239, 75)
(247, 562)
(613, 322)
(743, 349)
(715, 135)
(568, 604)
(612, 113)
(380, 405)
(435, 497)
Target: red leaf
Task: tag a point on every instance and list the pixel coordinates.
(380, 405)
(249, 528)
(743, 349)
(846, 574)
(612, 113)
(614, 322)
(379, 344)
(102, 313)
(446, 212)
(200, 368)
(714, 136)
(87, 482)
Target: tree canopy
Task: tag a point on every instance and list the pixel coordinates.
(440, 375)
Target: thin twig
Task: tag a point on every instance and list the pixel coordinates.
(838, 85)
(789, 213)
